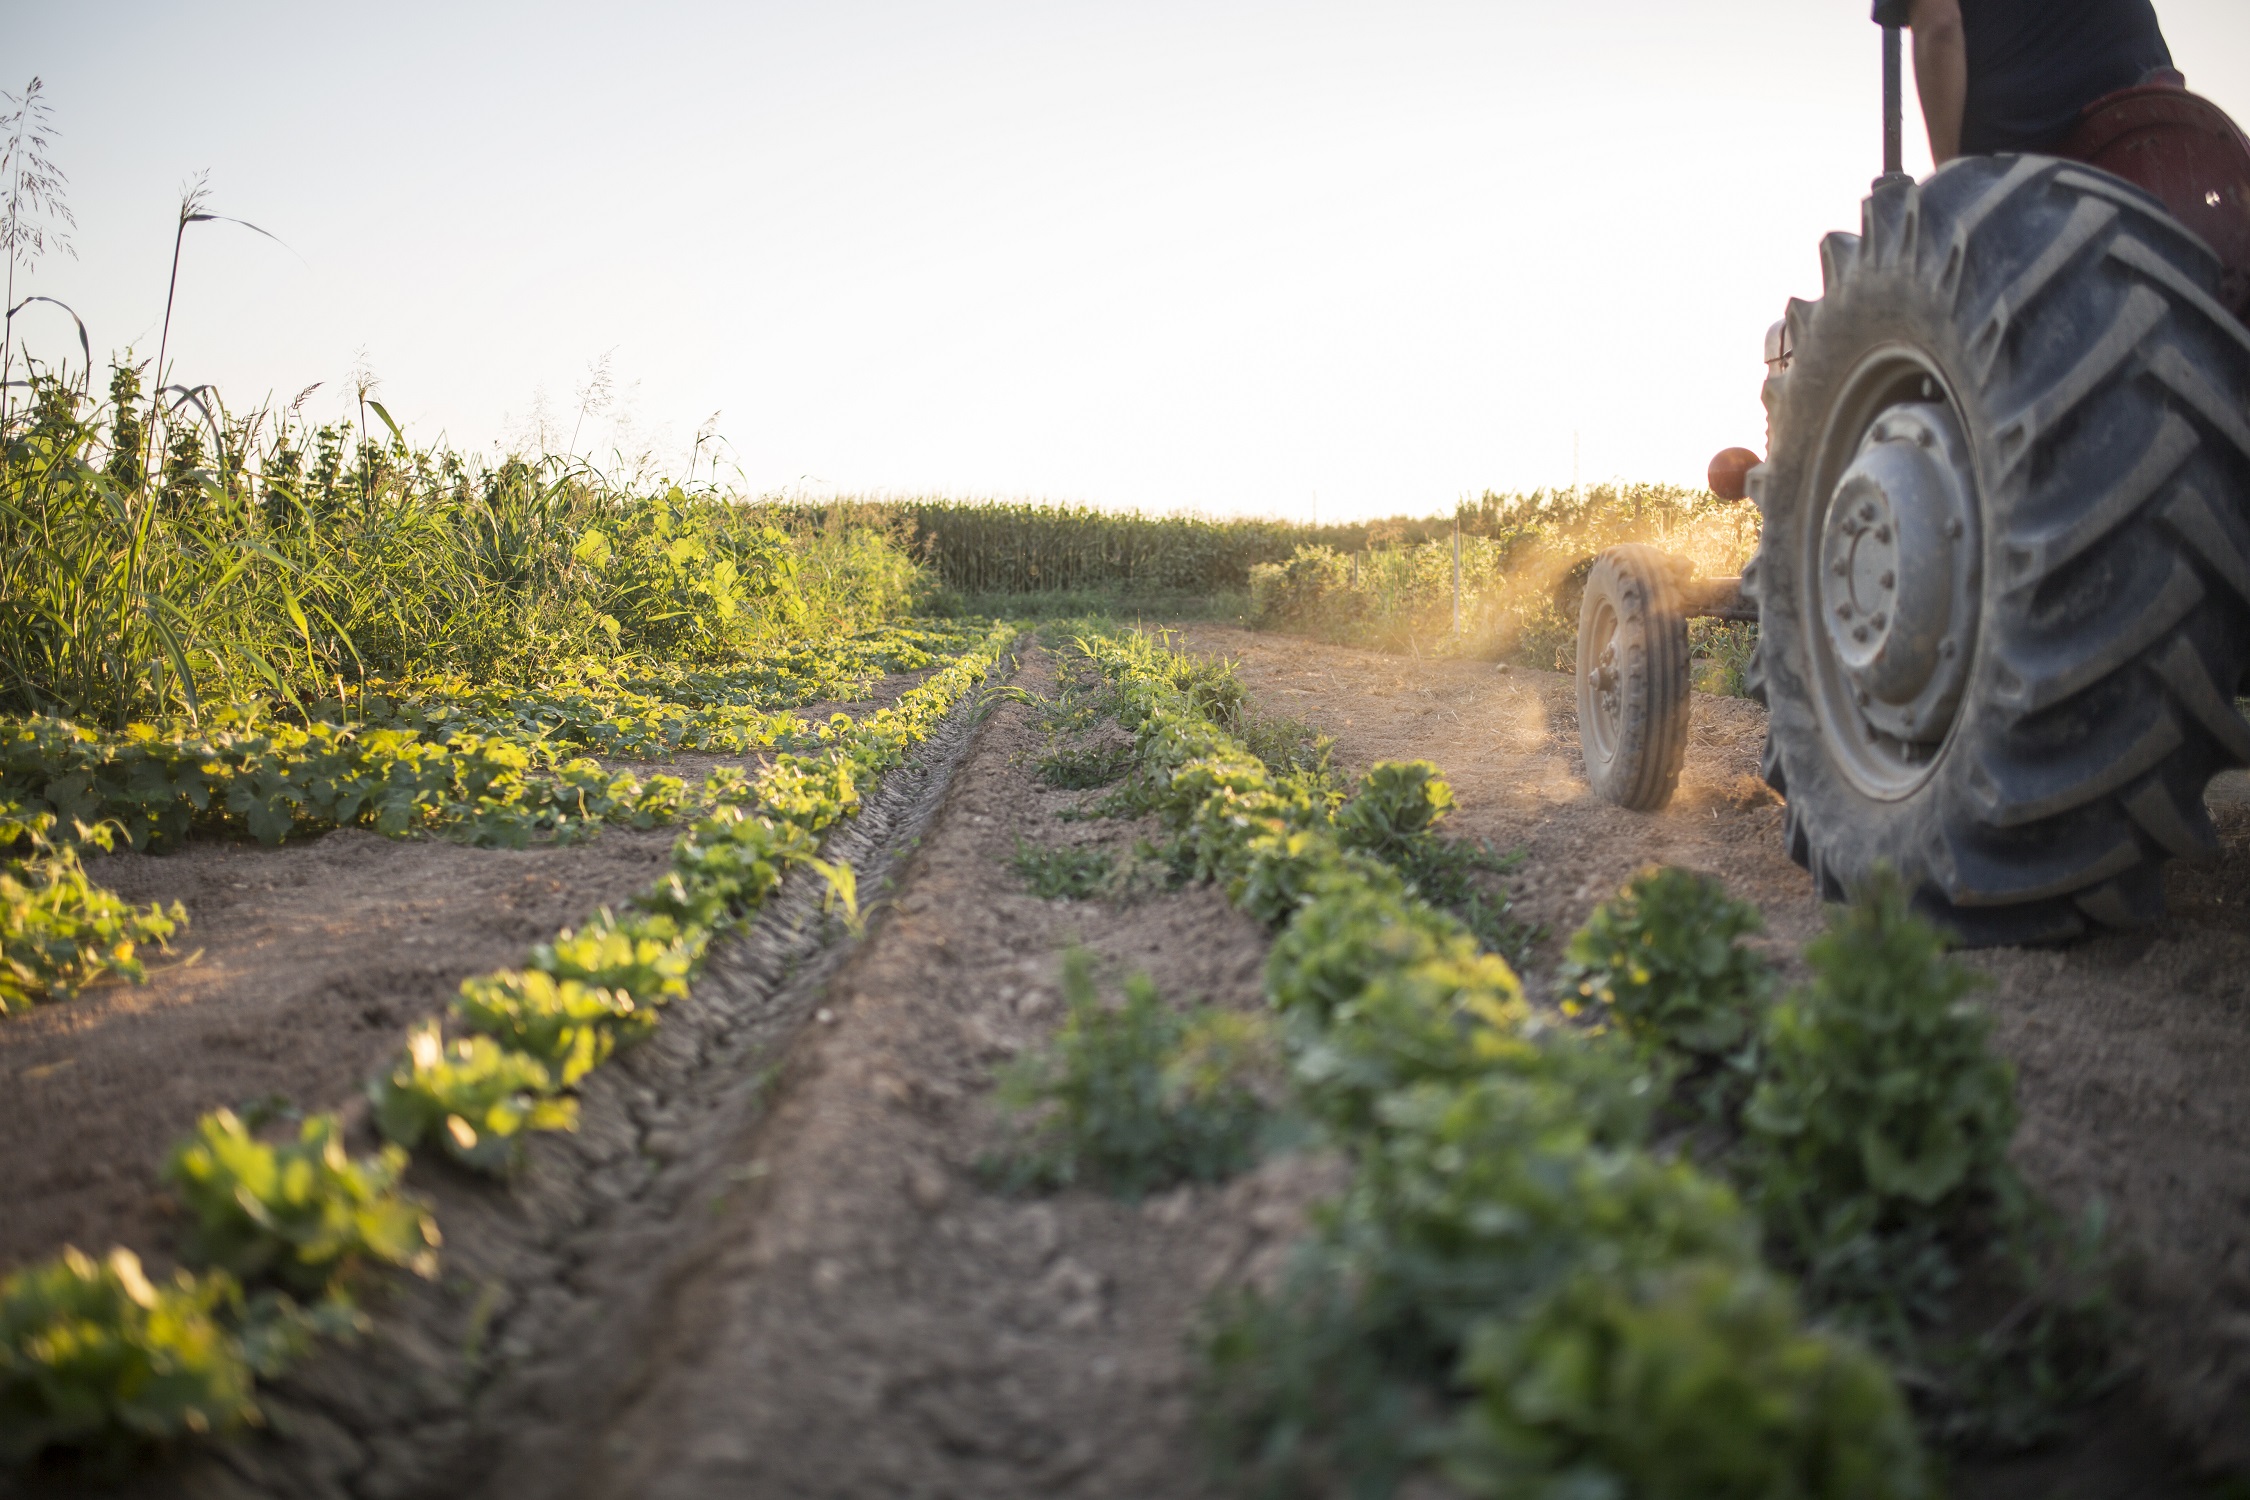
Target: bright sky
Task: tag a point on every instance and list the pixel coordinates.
(1241, 256)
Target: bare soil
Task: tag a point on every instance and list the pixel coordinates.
(768, 1263)
(300, 969)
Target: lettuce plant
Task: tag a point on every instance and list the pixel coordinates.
(477, 1098)
(1664, 959)
(97, 1357)
(569, 1026)
(301, 1213)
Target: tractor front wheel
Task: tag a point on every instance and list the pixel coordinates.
(1633, 677)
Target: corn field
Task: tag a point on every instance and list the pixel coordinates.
(158, 561)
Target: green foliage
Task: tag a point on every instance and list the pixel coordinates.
(1286, 744)
(646, 957)
(1139, 1096)
(1514, 1280)
(1328, 953)
(1879, 1109)
(728, 863)
(301, 1213)
(1699, 1383)
(1721, 652)
(58, 930)
(602, 984)
(1664, 958)
(1080, 769)
(1273, 869)
(1299, 1393)
(1000, 548)
(1062, 873)
(239, 573)
(570, 1026)
(273, 780)
(94, 1356)
(1394, 809)
(475, 1097)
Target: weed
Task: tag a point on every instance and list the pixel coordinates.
(1286, 744)
(237, 575)
(1393, 816)
(1084, 768)
(1721, 650)
(1062, 873)
(1138, 1096)
(1520, 572)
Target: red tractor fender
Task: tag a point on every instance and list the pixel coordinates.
(2184, 150)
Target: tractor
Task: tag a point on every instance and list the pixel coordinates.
(2002, 592)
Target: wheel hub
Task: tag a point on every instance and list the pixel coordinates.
(1898, 573)
(1610, 710)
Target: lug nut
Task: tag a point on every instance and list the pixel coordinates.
(1879, 620)
(1889, 580)
(1859, 632)
(1867, 510)
(1843, 611)
(1882, 533)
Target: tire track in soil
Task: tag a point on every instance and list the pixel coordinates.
(2132, 1050)
(402, 922)
(870, 1318)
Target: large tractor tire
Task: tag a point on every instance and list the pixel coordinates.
(2004, 582)
(1633, 677)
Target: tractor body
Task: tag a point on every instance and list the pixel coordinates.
(2003, 585)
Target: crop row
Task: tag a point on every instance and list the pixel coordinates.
(472, 762)
(1527, 1280)
(477, 762)
(96, 1356)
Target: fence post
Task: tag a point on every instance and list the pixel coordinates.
(1457, 572)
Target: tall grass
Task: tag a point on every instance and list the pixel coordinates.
(259, 558)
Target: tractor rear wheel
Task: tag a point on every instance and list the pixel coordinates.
(2004, 580)
(1633, 677)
